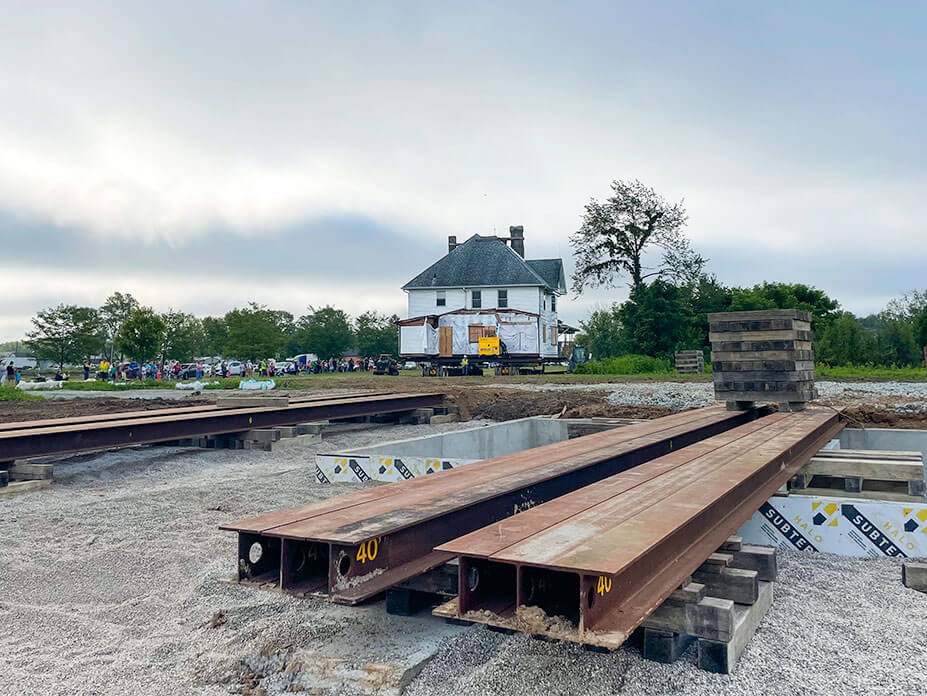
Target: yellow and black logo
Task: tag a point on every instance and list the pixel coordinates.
(825, 513)
(915, 519)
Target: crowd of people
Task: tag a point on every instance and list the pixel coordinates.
(118, 371)
(174, 369)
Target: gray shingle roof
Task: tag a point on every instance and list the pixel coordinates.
(550, 270)
(485, 261)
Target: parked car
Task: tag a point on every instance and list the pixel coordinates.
(234, 368)
(285, 367)
(187, 371)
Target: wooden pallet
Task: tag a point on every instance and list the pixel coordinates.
(876, 474)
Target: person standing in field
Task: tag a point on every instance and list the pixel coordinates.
(10, 374)
(86, 370)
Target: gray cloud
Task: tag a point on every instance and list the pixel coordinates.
(210, 153)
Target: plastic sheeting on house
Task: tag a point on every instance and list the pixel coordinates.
(519, 333)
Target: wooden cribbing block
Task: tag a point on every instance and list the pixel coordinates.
(262, 435)
(722, 656)
(761, 559)
(733, 543)
(28, 471)
(278, 401)
(311, 428)
(664, 646)
(709, 617)
(736, 584)
(914, 575)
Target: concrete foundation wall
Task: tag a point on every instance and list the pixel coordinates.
(482, 442)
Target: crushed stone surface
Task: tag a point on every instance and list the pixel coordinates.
(837, 625)
(115, 581)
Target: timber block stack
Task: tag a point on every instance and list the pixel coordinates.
(762, 356)
(690, 362)
(720, 608)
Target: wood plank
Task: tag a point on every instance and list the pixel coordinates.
(15, 488)
(719, 355)
(759, 315)
(883, 470)
(753, 336)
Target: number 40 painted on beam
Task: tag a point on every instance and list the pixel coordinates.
(367, 551)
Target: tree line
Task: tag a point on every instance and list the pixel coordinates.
(635, 235)
(122, 328)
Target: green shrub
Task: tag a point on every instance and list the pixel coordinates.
(8, 393)
(625, 365)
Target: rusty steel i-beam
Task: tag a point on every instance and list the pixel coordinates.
(359, 544)
(123, 432)
(607, 555)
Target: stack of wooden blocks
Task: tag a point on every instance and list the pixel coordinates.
(690, 362)
(762, 356)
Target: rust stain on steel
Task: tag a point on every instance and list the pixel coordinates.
(155, 412)
(647, 532)
(409, 518)
(493, 539)
(470, 475)
(120, 432)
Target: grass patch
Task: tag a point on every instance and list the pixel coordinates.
(903, 374)
(14, 394)
(626, 365)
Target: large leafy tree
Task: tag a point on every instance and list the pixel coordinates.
(787, 296)
(113, 312)
(601, 333)
(183, 336)
(215, 335)
(254, 333)
(376, 333)
(66, 334)
(141, 336)
(327, 332)
(654, 320)
(616, 234)
(844, 342)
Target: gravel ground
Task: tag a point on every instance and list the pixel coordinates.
(115, 582)
(837, 626)
(897, 396)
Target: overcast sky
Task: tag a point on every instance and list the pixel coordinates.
(204, 154)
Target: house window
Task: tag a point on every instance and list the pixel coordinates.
(553, 303)
(476, 299)
(503, 299)
(440, 298)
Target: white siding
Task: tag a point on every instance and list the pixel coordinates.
(548, 327)
(423, 302)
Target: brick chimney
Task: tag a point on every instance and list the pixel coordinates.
(451, 243)
(517, 239)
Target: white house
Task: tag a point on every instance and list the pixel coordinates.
(484, 287)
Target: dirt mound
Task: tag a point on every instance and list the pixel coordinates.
(869, 416)
(509, 404)
(11, 411)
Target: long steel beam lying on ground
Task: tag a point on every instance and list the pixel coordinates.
(117, 432)
(172, 410)
(607, 555)
(356, 545)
